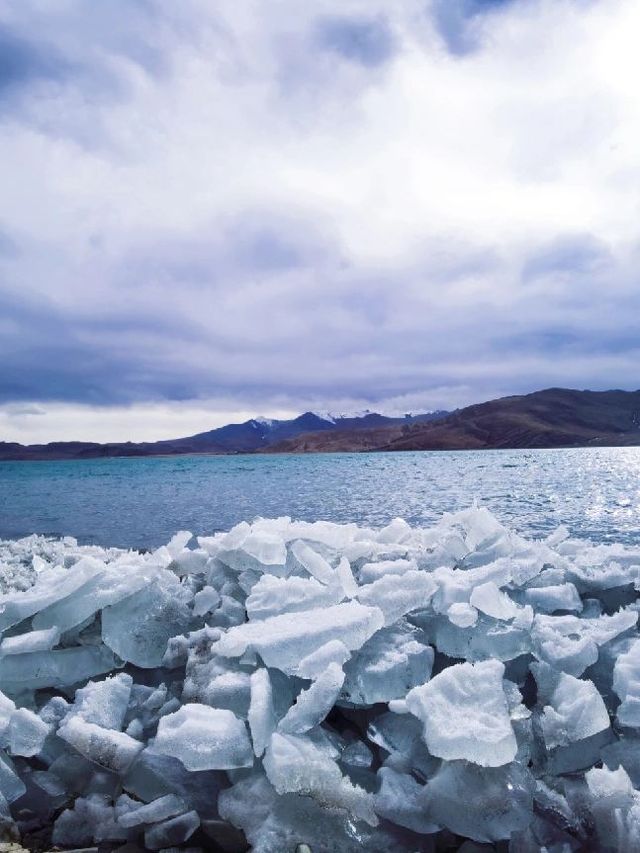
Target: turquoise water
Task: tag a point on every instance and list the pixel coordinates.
(142, 502)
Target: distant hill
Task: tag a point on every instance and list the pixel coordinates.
(556, 417)
(249, 437)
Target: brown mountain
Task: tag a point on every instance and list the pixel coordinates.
(556, 417)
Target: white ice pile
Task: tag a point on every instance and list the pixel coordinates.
(286, 683)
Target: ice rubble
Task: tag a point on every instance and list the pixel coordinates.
(400, 689)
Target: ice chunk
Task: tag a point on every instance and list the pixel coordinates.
(549, 599)
(463, 615)
(111, 749)
(482, 803)
(572, 708)
(205, 601)
(465, 714)
(346, 578)
(179, 541)
(356, 754)
(27, 733)
(32, 641)
(313, 562)
(171, 832)
(138, 628)
(283, 641)
(401, 800)
(370, 572)
(265, 552)
(313, 705)
(7, 707)
(571, 643)
(159, 809)
(314, 664)
(391, 663)
(262, 716)
(396, 595)
(489, 599)
(57, 668)
(204, 738)
(298, 765)
(11, 785)
(272, 596)
(105, 702)
(116, 582)
(626, 683)
(51, 585)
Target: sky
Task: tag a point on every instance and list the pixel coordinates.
(210, 211)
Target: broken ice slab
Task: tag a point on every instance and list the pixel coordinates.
(109, 748)
(58, 668)
(204, 738)
(52, 585)
(283, 641)
(388, 665)
(465, 714)
(139, 627)
(31, 641)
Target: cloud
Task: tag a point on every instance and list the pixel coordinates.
(367, 41)
(219, 208)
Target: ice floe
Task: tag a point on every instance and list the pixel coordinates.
(286, 683)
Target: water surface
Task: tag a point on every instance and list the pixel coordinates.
(141, 502)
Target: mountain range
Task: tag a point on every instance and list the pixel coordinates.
(252, 436)
(555, 417)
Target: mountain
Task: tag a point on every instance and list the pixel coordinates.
(555, 417)
(248, 437)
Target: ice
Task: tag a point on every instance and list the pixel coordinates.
(261, 716)
(111, 749)
(33, 641)
(314, 563)
(7, 707)
(572, 708)
(489, 599)
(550, 599)
(283, 641)
(204, 738)
(396, 595)
(205, 601)
(272, 596)
(314, 664)
(462, 615)
(391, 663)
(286, 683)
(58, 668)
(139, 627)
(167, 834)
(482, 803)
(400, 799)
(626, 683)
(465, 714)
(11, 785)
(571, 643)
(105, 702)
(159, 809)
(27, 733)
(313, 704)
(298, 765)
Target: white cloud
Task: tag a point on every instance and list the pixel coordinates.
(209, 202)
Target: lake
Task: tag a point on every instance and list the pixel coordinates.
(141, 502)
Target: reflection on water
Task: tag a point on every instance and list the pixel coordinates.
(140, 502)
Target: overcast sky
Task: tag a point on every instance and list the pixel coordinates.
(213, 210)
